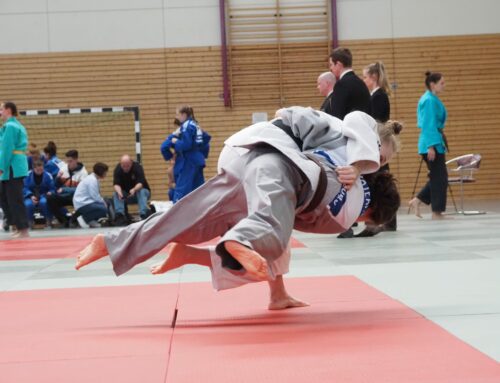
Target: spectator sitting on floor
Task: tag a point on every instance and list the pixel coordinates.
(52, 162)
(38, 185)
(71, 173)
(131, 187)
(87, 199)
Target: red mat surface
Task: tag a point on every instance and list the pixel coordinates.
(351, 333)
(42, 248)
(112, 334)
(59, 247)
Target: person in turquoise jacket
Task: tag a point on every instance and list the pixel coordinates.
(432, 146)
(13, 169)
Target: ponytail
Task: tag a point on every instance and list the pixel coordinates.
(377, 69)
(188, 111)
(389, 132)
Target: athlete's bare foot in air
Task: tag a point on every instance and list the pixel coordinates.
(254, 264)
(287, 302)
(415, 205)
(174, 259)
(94, 251)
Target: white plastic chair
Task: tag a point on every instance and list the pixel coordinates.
(461, 170)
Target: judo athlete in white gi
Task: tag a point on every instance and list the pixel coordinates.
(276, 180)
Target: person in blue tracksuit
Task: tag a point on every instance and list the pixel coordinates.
(37, 186)
(190, 160)
(432, 146)
(52, 162)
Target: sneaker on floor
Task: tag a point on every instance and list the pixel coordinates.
(18, 234)
(94, 224)
(121, 220)
(82, 222)
(104, 221)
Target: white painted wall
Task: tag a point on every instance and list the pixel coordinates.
(80, 25)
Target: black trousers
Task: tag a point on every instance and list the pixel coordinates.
(56, 204)
(435, 190)
(13, 203)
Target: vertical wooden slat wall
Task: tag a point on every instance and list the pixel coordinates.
(159, 80)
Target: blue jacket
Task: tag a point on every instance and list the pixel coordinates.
(166, 146)
(46, 186)
(51, 166)
(187, 146)
(13, 144)
(431, 117)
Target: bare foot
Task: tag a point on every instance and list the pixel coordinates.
(415, 205)
(287, 302)
(94, 251)
(440, 216)
(254, 264)
(174, 259)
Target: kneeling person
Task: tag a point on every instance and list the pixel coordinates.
(131, 186)
(87, 199)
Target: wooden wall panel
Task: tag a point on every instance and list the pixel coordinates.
(159, 80)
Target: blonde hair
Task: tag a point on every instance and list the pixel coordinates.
(389, 132)
(377, 69)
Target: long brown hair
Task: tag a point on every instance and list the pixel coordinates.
(384, 196)
(188, 111)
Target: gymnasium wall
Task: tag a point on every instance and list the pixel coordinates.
(158, 80)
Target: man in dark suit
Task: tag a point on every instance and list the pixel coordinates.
(350, 92)
(326, 82)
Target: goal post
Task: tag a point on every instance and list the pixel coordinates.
(100, 134)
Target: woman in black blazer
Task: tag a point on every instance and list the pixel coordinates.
(375, 78)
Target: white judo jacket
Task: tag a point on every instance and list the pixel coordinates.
(318, 131)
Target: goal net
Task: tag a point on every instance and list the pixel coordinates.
(99, 134)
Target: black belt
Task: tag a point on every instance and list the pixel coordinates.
(323, 180)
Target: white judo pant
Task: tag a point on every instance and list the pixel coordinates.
(252, 201)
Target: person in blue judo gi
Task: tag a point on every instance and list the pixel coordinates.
(188, 144)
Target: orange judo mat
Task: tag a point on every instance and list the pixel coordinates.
(350, 333)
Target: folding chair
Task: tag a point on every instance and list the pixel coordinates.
(462, 172)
